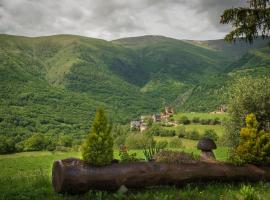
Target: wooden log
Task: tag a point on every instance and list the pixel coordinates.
(74, 176)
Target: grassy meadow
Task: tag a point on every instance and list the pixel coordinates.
(191, 115)
(25, 176)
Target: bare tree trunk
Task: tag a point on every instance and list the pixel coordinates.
(75, 176)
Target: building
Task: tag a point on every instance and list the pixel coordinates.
(143, 126)
(135, 125)
(156, 118)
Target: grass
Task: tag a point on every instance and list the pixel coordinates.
(191, 115)
(190, 146)
(219, 129)
(26, 176)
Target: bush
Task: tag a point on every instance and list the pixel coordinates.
(254, 146)
(184, 120)
(205, 121)
(36, 142)
(196, 120)
(247, 95)
(7, 145)
(167, 133)
(154, 148)
(98, 147)
(125, 157)
(120, 141)
(139, 141)
(210, 133)
(175, 157)
(175, 142)
(193, 135)
(154, 130)
(181, 133)
(65, 141)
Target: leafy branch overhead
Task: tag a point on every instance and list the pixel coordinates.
(248, 22)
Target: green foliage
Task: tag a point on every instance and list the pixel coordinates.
(254, 146)
(193, 135)
(51, 85)
(181, 132)
(125, 157)
(248, 22)
(248, 192)
(7, 145)
(139, 141)
(17, 169)
(175, 142)
(169, 156)
(210, 133)
(98, 147)
(247, 95)
(36, 142)
(154, 148)
(196, 120)
(184, 120)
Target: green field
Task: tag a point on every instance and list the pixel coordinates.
(191, 115)
(26, 176)
(200, 128)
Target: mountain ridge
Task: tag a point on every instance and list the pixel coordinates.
(53, 84)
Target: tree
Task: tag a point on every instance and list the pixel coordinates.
(36, 142)
(248, 22)
(247, 95)
(98, 147)
(7, 145)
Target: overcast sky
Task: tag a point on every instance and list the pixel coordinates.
(111, 19)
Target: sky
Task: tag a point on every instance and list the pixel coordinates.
(112, 19)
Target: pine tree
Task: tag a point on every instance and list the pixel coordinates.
(98, 147)
(248, 22)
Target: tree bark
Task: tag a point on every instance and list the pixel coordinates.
(74, 176)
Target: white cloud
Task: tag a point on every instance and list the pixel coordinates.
(111, 19)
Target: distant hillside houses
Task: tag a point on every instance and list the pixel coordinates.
(142, 124)
(221, 109)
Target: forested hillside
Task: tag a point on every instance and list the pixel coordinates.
(53, 84)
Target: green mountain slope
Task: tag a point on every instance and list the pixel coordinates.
(53, 84)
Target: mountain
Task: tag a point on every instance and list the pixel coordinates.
(53, 84)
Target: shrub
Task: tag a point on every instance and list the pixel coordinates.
(36, 142)
(154, 130)
(193, 135)
(169, 156)
(217, 121)
(184, 120)
(247, 95)
(138, 141)
(119, 141)
(167, 133)
(7, 145)
(210, 133)
(65, 141)
(153, 149)
(196, 120)
(125, 157)
(175, 142)
(205, 121)
(254, 146)
(98, 147)
(181, 132)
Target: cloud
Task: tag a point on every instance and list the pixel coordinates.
(111, 19)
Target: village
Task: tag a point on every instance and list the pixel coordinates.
(166, 117)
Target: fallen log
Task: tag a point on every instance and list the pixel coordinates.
(74, 176)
